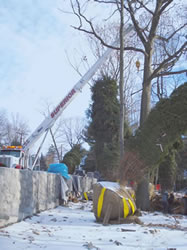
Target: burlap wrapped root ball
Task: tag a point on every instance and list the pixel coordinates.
(118, 197)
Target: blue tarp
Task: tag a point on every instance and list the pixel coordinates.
(59, 168)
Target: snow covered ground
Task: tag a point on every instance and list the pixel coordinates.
(74, 227)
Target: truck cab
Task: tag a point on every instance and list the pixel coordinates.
(12, 157)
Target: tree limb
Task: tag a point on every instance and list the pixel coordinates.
(167, 39)
(167, 3)
(135, 49)
(92, 31)
(168, 60)
(171, 73)
(155, 21)
(143, 5)
(136, 26)
(105, 1)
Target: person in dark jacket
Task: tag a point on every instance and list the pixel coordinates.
(185, 203)
(170, 202)
(165, 203)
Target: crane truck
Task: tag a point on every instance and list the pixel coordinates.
(12, 156)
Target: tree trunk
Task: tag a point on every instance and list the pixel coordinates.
(121, 84)
(145, 102)
(146, 93)
(143, 186)
(142, 195)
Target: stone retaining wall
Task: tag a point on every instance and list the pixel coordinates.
(24, 193)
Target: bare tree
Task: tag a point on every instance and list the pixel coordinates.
(3, 123)
(66, 133)
(16, 130)
(69, 133)
(150, 20)
(153, 34)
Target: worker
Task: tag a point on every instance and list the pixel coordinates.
(185, 203)
(165, 203)
(170, 202)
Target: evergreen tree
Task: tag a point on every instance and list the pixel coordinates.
(181, 180)
(73, 157)
(168, 167)
(103, 130)
(167, 172)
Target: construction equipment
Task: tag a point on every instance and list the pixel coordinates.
(49, 121)
(12, 156)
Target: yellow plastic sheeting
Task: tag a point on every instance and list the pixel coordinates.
(85, 196)
(125, 207)
(100, 202)
(132, 206)
(133, 196)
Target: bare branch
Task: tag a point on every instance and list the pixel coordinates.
(105, 1)
(172, 73)
(92, 31)
(113, 13)
(143, 5)
(63, 11)
(167, 39)
(137, 28)
(167, 3)
(155, 21)
(72, 6)
(135, 49)
(177, 30)
(76, 68)
(170, 60)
